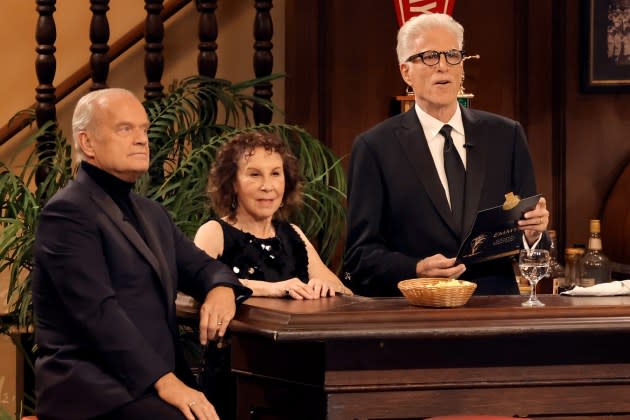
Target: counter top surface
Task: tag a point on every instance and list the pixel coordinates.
(349, 317)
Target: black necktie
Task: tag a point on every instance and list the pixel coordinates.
(456, 176)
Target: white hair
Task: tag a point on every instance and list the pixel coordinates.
(417, 25)
(84, 114)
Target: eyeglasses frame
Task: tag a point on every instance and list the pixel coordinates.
(419, 55)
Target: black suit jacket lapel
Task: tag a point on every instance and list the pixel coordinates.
(475, 166)
(416, 149)
(112, 211)
(168, 284)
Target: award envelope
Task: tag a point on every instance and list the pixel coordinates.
(495, 233)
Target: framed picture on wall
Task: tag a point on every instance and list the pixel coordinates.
(606, 46)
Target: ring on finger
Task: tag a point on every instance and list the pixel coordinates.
(190, 404)
(286, 292)
(540, 220)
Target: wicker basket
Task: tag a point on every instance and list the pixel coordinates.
(439, 293)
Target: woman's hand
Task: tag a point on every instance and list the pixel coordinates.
(323, 288)
(294, 288)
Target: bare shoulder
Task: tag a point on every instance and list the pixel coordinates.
(309, 246)
(299, 232)
(209, 237)
(210, 228)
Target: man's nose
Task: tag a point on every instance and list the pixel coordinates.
(141, 136)
(442, 63)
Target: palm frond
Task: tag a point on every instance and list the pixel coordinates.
(20, 204)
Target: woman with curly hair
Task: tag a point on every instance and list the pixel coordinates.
(254, 185)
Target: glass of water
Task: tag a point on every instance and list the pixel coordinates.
(534, 265)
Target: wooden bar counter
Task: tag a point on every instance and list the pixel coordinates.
(362, 358)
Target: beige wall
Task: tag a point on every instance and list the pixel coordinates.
(11, 363)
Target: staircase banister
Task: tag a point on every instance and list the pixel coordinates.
(82, 74)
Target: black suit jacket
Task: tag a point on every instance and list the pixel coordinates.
(398, 212)
(104, 299)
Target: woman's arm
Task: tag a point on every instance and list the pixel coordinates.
(293, 288)
(209, 237)
(321, 278)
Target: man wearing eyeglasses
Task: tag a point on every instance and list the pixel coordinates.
(417, 180)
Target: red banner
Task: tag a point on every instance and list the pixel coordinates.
(406, 9)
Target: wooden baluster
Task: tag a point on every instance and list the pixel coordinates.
(153, 58)
(208, 32)
(99, 36)
(263, 59)
(45, 68)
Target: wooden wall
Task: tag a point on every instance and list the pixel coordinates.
(598, 140)
(342, 75)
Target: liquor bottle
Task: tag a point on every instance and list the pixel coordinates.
(572, 273)
(556, 270)
(595, 266)
(555, 276)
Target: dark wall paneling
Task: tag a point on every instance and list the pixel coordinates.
(363, 75)
(598, 139)
(342, 67)
(303, 64)
(492, 77)
(537, 92)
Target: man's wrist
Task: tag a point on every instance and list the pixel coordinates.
(164, 381)
(222, 288)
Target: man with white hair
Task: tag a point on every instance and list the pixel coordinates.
(107, 267)
(417, 180)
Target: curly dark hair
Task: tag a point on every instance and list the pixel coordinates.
(225, 166)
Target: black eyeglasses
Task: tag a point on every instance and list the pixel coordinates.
(431, 58)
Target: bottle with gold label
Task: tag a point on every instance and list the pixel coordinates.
(555, 275)
(595, 266)
(572, 273)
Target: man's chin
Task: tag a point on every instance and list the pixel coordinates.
(141, 171)
(133, 174)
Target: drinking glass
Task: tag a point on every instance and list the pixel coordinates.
(534, 265)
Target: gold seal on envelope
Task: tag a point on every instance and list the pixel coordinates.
(511, 201)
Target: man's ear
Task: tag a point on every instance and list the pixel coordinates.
(404, 72)
(85, 143)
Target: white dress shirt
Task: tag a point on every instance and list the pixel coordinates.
(431, 127)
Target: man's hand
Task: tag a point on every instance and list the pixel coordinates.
(192, 403)
(439, 266)
(216, 313)
(535, 221)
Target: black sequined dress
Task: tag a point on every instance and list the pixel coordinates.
(272, 259)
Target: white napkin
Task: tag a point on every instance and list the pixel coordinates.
(614, 288)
